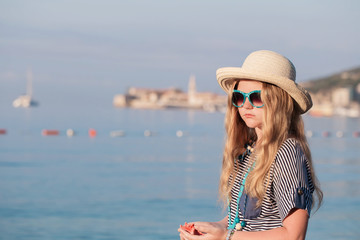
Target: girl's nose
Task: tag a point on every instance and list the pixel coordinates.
(247, 104)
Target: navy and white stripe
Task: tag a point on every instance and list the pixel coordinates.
(290, 187)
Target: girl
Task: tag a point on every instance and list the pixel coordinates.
(267, 179)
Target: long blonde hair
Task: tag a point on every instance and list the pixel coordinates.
(281, 120)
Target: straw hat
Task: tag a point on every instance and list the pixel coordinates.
(270, 67)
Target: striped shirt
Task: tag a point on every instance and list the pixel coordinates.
(290, 187)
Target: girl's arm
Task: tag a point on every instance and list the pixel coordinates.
(294, 228)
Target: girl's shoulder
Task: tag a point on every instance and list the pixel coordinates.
(290, 151)
(289, 144)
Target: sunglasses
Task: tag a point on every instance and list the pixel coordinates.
(239, 97)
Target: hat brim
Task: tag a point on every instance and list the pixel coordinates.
(227, 75)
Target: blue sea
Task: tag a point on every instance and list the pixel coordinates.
(138, 187)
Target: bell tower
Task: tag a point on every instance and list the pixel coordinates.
(192, 90)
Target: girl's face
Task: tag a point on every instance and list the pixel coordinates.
(251, 115)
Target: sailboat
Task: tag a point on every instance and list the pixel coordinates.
(26, 100)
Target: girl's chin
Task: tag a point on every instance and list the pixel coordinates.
(252, 124)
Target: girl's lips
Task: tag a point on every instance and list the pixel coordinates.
(249, 115)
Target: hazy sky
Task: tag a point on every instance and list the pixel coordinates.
(84, 47)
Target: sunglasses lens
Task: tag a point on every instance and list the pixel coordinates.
(237, 99)
(255, 98)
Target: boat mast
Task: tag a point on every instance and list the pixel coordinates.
(29, 77)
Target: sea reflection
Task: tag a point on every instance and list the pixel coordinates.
(104, 187)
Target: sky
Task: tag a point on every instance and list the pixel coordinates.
(84, 49)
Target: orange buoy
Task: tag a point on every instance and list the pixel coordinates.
(49, 132)
(92, 132)
(2, 131)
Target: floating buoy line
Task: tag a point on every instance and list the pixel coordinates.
(50, 132)
(70, 132)
(117, 133)
(92, 133)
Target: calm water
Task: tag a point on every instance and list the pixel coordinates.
(137, 187)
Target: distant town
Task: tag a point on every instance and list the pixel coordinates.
(328, 101)
(337, 95)
(338, 102)
(144, 98)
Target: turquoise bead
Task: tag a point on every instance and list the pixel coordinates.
(243, 223)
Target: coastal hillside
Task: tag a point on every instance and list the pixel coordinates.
(345, 79)
(338, 94)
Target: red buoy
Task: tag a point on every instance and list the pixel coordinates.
(326, 134)
(92, 132)
(2, 131)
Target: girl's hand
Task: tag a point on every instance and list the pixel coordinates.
(211, 230)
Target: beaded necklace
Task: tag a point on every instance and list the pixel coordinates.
(237, 224)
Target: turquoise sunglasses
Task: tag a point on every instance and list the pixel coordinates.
(239, 97)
